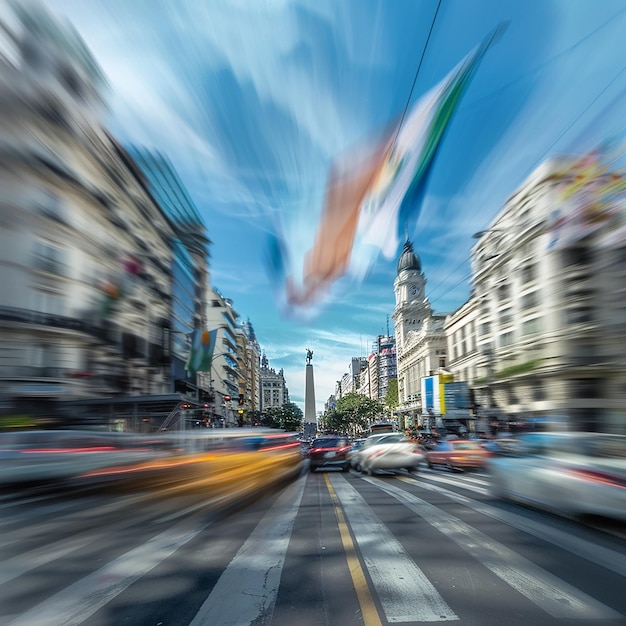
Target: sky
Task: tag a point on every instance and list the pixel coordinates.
(253, 100)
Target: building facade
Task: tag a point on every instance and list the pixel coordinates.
(548, 320)
(274, 391)
(420, 337)
(85, 309)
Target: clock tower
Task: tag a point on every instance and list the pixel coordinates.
(412, 308)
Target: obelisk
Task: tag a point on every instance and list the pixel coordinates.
(310, 416)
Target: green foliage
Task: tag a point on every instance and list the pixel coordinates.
(521, 368)
(287, 417)
(352, 414)
(391, 397)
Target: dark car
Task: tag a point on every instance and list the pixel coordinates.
(329, 452)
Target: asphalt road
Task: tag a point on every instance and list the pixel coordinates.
(322, 548)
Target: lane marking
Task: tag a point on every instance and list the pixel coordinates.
(404, 591)
(604, 557)
(359, 582)
(550, 593)
(453, 482)
(246, 591)
(78, 602)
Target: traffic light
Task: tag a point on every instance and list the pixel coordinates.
(240, 399)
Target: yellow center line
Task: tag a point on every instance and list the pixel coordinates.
(368, 608)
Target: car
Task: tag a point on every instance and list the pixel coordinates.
(392, 451)
(571, 474)
(458, 455)
(355, 455)
(352, 454)
(329, 452)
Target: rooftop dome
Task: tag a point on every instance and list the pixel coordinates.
(408, 259)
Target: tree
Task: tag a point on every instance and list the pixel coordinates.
(352, 414)
(391, 397)
(287, 417)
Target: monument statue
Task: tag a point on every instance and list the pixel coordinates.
(309, 356)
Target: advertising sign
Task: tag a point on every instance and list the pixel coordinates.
(457, 399)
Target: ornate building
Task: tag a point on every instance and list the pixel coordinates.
(274, 392)
(420, 337)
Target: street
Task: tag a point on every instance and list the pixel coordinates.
(326, 548)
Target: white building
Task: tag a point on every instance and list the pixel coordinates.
(549, 325)
(85, 304)
(274, 391)
(420, 337)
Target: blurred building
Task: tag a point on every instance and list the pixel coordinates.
(419, 334)
(378, 369)
(386, 364)
(189, 267)
(225, 372)
(548, 278)
(85, 307)
(252, 367)
(274, 391)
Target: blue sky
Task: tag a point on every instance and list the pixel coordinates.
(252, 99)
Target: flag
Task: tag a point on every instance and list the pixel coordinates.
(370, 200)
(201, 353)
(397, 194)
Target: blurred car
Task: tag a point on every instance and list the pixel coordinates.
(500, 445)
(571, 474)
(352, 453)
(458, 455)
(329, 452)
(392, 451)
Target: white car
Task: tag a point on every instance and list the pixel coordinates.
(391, 451)
(570, 474)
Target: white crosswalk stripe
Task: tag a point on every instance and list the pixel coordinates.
(404, 591)
(592, 552)
(246, 591)
(553, 595)
(78, 602)
(449, 480)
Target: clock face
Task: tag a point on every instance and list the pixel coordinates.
(413, 290)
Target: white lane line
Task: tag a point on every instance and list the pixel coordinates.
(550, 593)
(404, 591)
(453, 482)
(604, 557)
(78, 602)
(246, 591)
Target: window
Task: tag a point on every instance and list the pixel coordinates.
(539, 392)
(505, 316)
(485, 328)
(50, 205)
(506, 339)
(48, 257)
(586, 388)
(529, 300)
(49, 302)
(529, 273)
(579, 315)
(530, 327)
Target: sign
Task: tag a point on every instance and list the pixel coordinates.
(457, 399)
